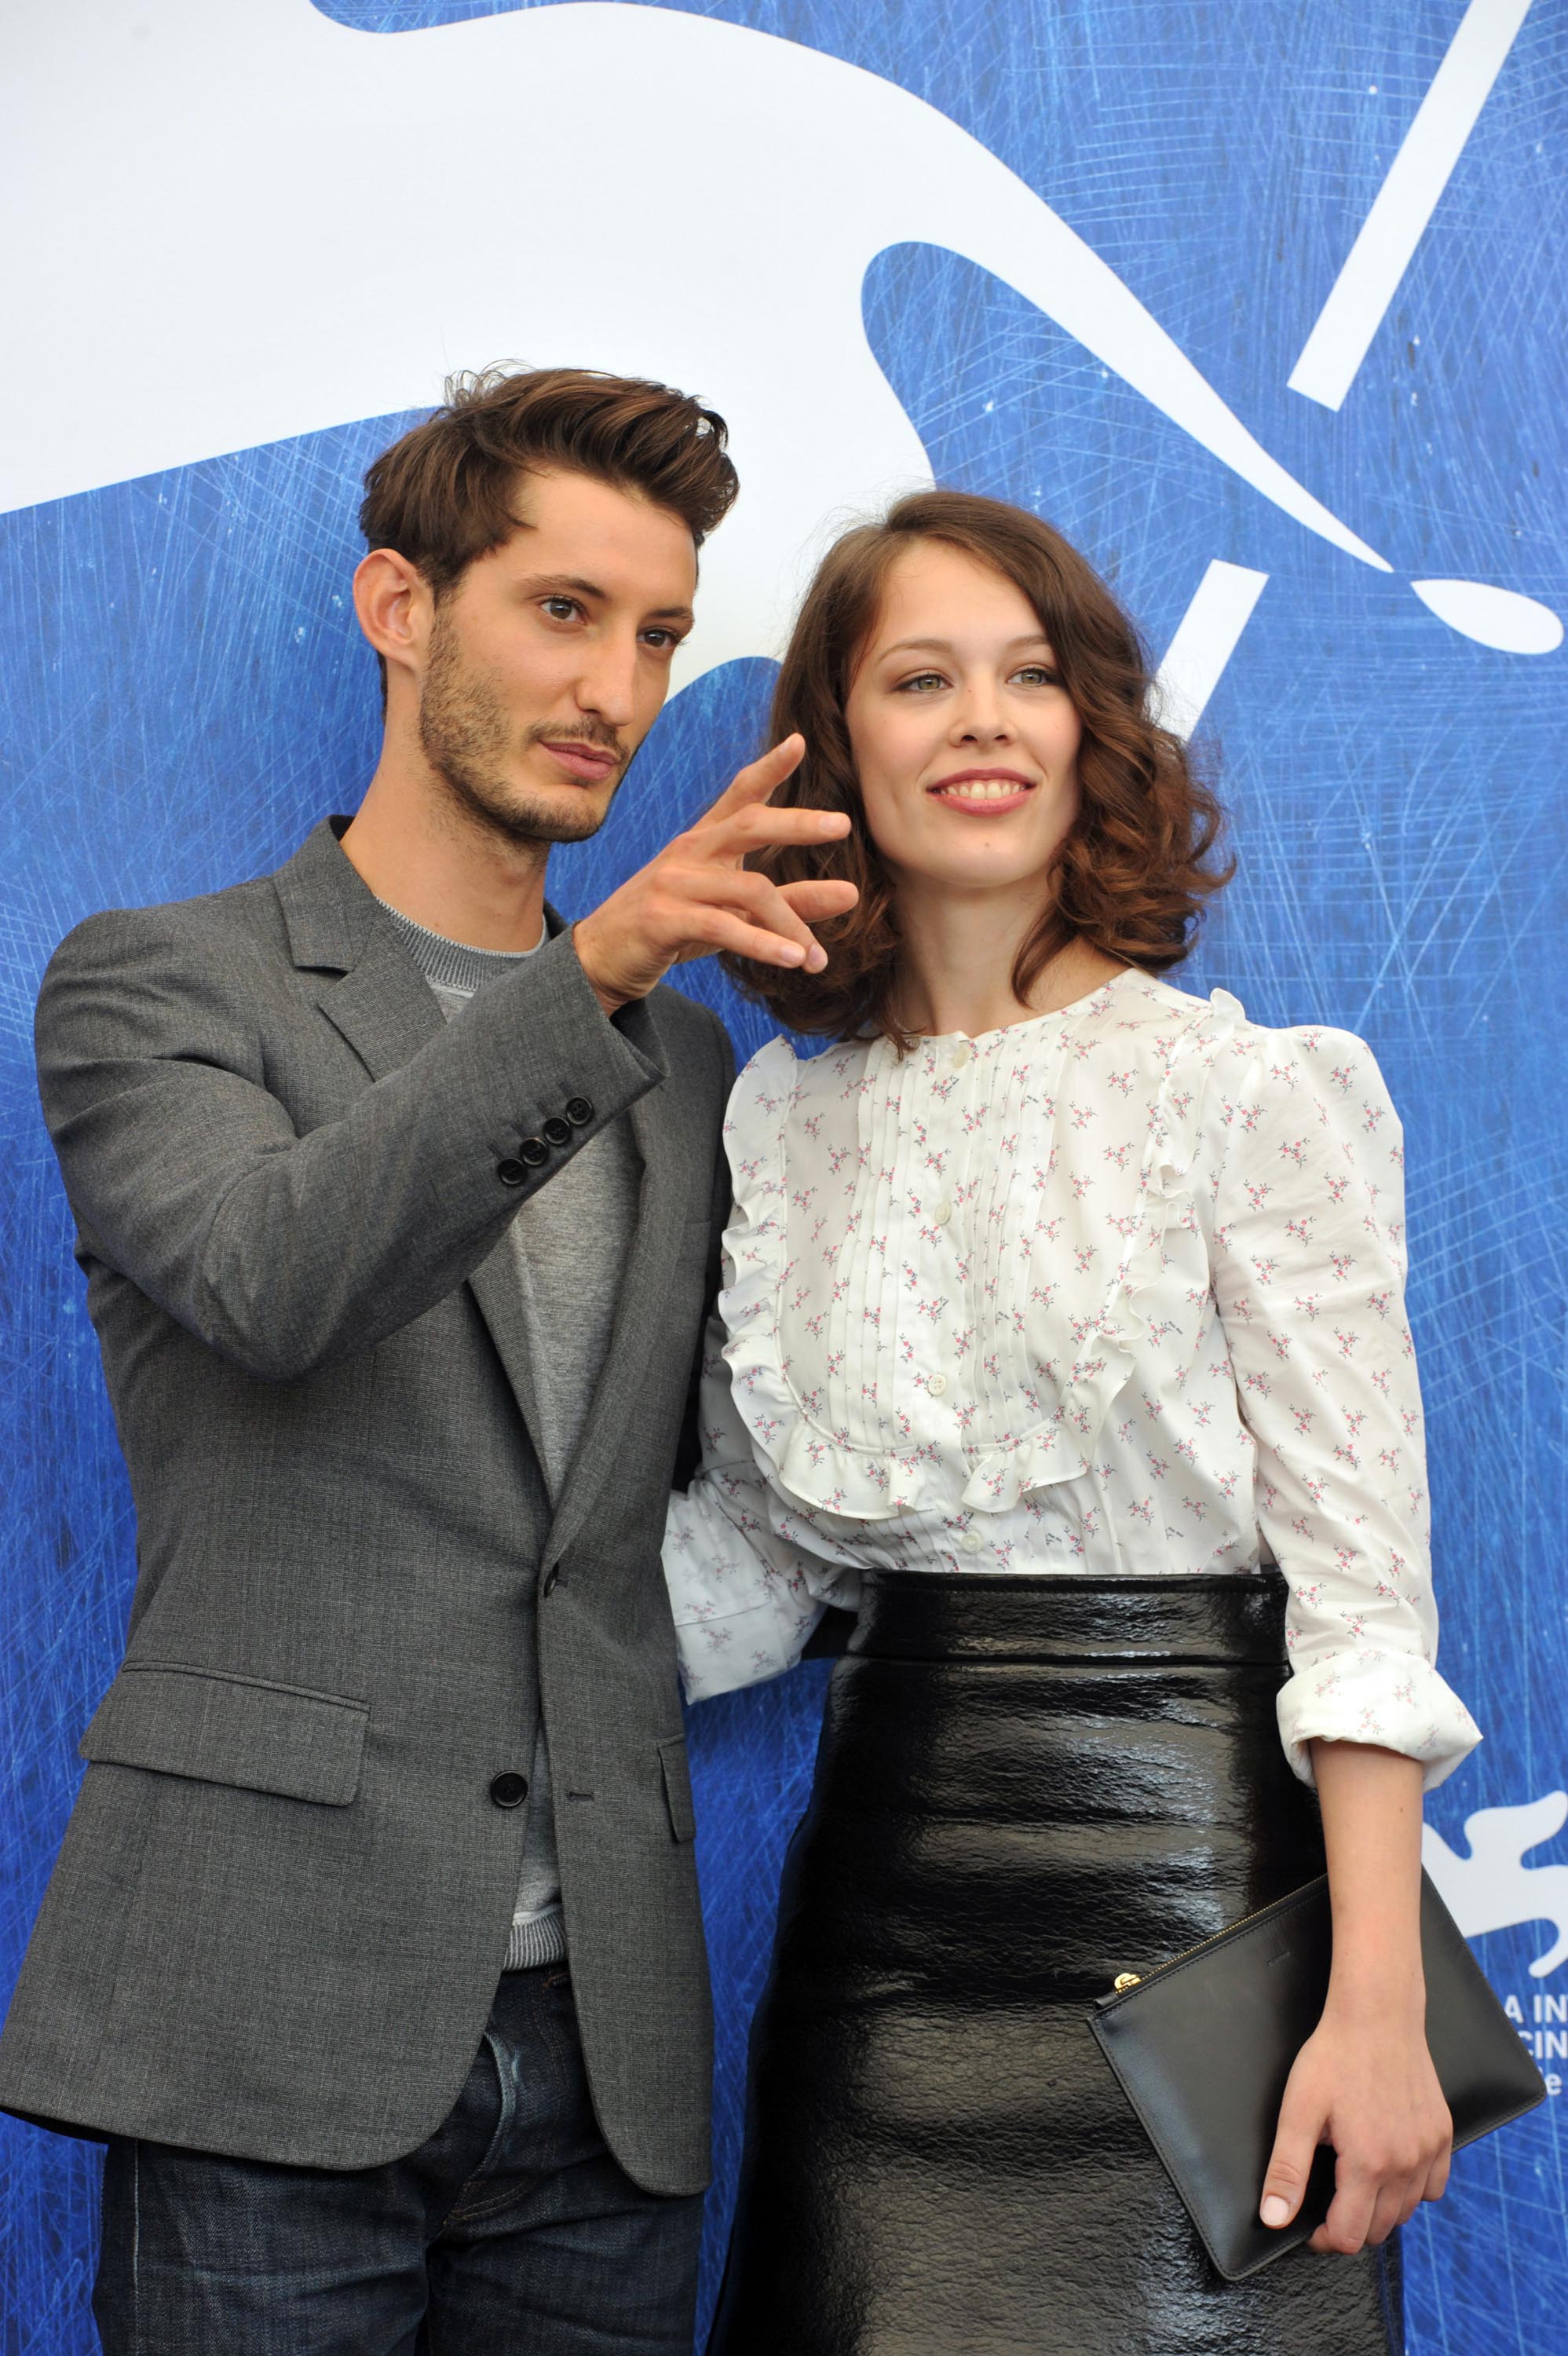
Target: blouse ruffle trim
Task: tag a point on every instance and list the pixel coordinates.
(828, 1472)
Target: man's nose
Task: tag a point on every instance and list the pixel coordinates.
(606, 686)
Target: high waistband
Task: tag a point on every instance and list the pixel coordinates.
(935, 1615)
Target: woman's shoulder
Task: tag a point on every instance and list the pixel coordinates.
(778, 1075)
(1174, 1029)
(777, 1081)
(1220, 1028)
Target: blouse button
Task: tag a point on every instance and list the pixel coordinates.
(942, 1213)
(936, 1385)
(971, 1542)
(958, 1057)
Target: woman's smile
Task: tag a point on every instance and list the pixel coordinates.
(985, 793)
(958, 707)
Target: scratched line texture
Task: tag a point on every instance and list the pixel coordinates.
(185, 695)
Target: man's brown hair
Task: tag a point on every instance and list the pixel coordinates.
(1131, 876)
(446, 494)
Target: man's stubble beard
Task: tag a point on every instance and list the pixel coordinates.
(465, 737)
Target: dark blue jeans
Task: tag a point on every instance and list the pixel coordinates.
(513, 2232)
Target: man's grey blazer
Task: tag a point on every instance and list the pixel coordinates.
(284, 1899)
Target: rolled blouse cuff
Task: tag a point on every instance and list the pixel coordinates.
(721, 1655)
(1389, 1698)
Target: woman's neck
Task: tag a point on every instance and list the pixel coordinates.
(958, 954)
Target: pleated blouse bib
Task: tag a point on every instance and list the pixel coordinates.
(1119, 1289)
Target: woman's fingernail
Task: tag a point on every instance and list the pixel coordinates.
(1275, 2211)
(817, 960)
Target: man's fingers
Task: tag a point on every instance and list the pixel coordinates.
(757, 780)
(764, 903)
(758, 825)
(716, 929)
(812, 902)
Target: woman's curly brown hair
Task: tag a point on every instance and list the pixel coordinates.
(1131, 876)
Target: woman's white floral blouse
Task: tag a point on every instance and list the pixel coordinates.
(1117, 1290)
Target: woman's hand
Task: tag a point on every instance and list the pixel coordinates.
(1364, 2083)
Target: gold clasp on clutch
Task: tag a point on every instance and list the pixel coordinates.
(1125, 1980)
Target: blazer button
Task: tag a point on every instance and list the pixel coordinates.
(510, 1791)
(579, 1111)
(552, 1580)
(534, 1151)
(556, 1131)
(510, 1173)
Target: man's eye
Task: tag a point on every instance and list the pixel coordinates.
(561, 609)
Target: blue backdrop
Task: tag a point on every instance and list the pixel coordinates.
(187, 694)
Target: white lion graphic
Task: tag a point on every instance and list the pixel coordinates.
(267, 223)
(1492, 1888)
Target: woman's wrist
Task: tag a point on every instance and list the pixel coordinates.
(1377, 1972)
(1361, 1993)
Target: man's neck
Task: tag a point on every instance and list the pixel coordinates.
(426, 857)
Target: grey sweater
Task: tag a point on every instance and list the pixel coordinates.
(569, 1243)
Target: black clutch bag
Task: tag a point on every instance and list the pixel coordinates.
(1205, 2044)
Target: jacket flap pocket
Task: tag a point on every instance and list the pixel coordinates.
(677, 1787)
(231, 1730)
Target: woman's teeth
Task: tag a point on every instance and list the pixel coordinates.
(982, 789)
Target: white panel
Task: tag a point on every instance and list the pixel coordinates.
(1417, 178)
(1206, 637)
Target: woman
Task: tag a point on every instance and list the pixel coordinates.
(1060, 1308)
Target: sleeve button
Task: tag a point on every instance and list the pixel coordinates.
(579, 1111)
(510, 1173)
(556, 1131)
(534, 1151)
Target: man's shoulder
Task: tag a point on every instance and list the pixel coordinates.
(231, 929)
(238, 923)
(248, 908)
(228, 952)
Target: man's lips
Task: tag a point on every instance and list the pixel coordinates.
(589, 763)
(983, 793)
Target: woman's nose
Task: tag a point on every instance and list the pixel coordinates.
(981, 720)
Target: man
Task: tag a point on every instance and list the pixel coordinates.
(373, 1950)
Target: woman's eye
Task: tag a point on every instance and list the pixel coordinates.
(662, 642)
(1039, 675)
(921, 679)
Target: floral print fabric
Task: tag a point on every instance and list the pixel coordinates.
(1117, 1290)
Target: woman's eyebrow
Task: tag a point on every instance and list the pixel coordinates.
(944, 646)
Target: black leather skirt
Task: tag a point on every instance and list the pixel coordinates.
(1024, 1785)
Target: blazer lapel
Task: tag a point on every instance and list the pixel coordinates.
(384, 1007)
(496, 1287)
(645, 1287)
(376, 998)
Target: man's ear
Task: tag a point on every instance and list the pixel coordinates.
(394, 605)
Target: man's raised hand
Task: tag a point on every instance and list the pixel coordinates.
(698, 896)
